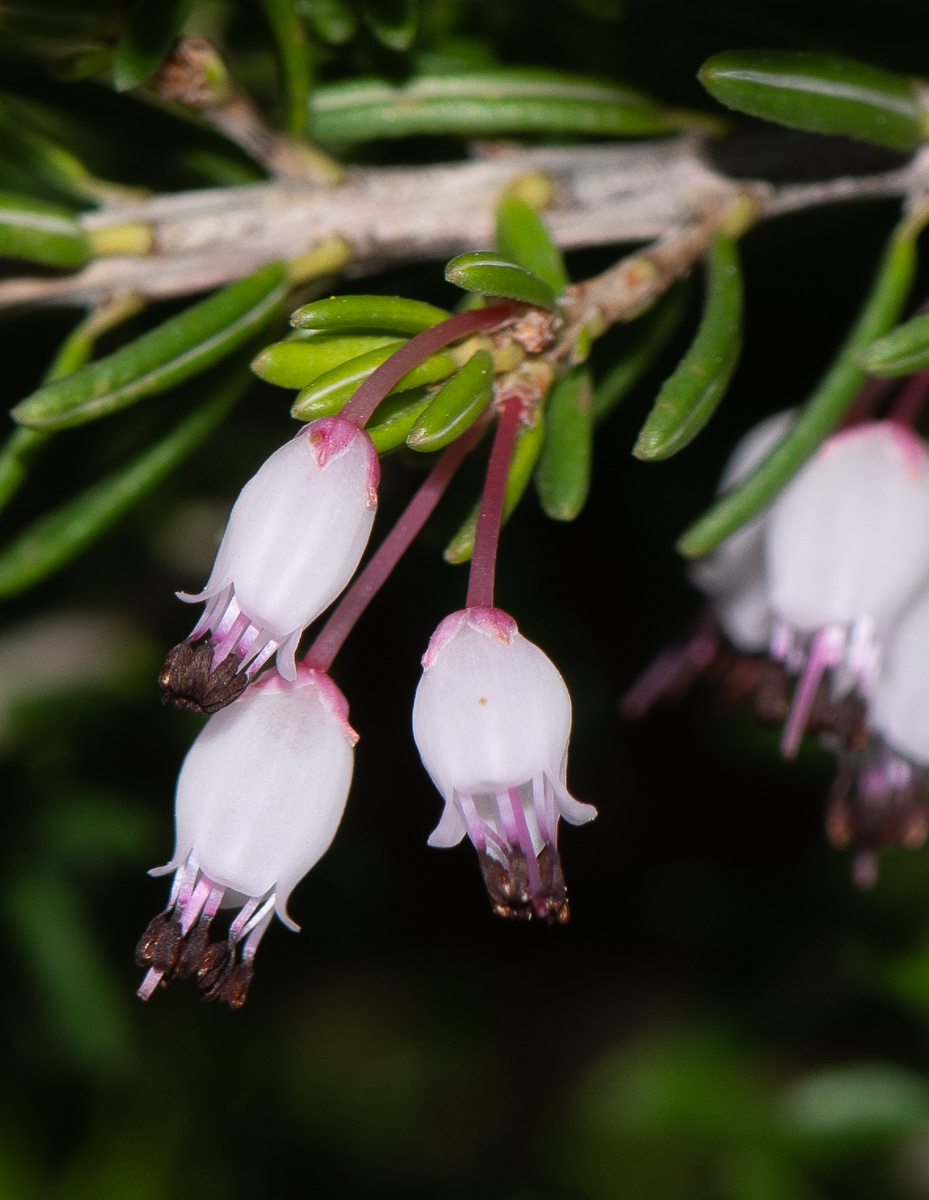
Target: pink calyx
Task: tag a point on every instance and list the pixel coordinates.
(330, 437)
(492, 621)
(329, 693)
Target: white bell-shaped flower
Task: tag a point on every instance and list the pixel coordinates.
(733, 574)
(899, 708)
(846, 549)
(293, 541)
(259, 799)
(491, 719)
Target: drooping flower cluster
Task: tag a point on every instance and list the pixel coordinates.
(831, 583)
(263, 788)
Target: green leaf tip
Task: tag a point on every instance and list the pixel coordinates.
(456, 406)
(41, 233)
(822, 93)
(690, 396)
(900, 352)
(489, 274)
(150, 31)
(178, 349)
(562, 478)
(523, 236)
(386, 314)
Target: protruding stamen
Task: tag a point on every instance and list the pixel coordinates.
(256, 930)
(261, 917)
(525, 842)
(149, 983)
(192, 909)
(864, 869)
(245, 914)
(825, 651)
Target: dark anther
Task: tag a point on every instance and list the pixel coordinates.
(552, 901)
(187, 680)
(145, 949)
(213, 970)
(511, 895)
(236, 984)
(772, 701)
(732, 678)
(192, 951)
(841, 722)
(870, 816)
(167, 946)
(507, 886)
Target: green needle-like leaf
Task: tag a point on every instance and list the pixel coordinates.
(488, 274)
(689, 398)
(523, 236)
(23, 445)
(900, 352)
(385, 314)
(456, 406)
(60, 536)
(331, 392)
(394, 417)
(824, 409)
(40, 232)
(820, 92)
(181, 347)
(562, 478)
(516, 100)
(333, 20)
(393, 22)
(294, 54)
(295, 363)
(150, 32)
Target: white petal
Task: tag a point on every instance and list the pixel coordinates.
(263, 788)
(849, 537)
(491, 711)
(573, 811)
(297, 531)
(734, 573)
(450, 829)
(745, 616)
(900, 704)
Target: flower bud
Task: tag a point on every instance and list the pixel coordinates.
(491, 719)
(259, 799)
(293, 541)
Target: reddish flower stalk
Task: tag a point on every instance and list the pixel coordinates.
(871, 396)
(375, 572)
(362, 405)
(913, 395)
(490, 517)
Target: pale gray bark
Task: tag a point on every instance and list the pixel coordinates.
(604, 194)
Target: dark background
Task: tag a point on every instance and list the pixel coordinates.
(724, 1016)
